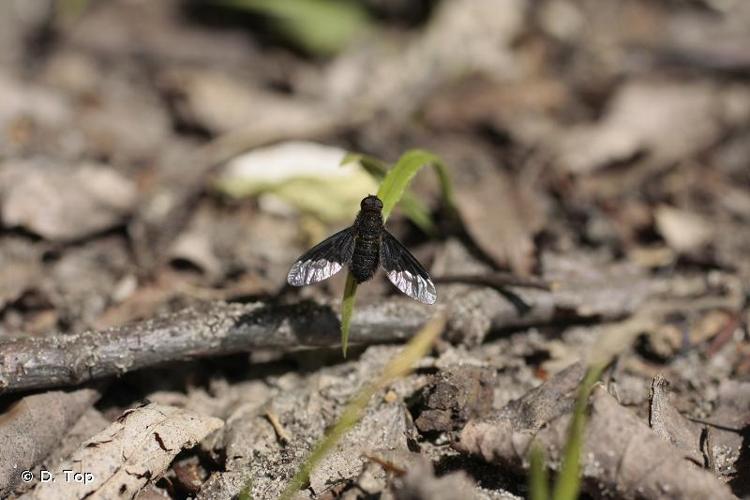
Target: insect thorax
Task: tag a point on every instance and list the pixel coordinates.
(369, 224)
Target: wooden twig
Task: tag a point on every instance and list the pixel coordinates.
(495, 280)
(210, 330)
(281, 433)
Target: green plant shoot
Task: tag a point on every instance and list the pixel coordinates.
(319, 27)
(397, 367)
(538, 480)
(392, 189)
(568, 482)
(412, 207)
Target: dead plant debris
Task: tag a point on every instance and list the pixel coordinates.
(163, 163)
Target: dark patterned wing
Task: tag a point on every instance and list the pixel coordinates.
(323, 260)
(405, 271)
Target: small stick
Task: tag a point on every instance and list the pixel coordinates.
(496, 280)
(282, 434)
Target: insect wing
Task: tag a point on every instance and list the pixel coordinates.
(323, 260)
(405, 271)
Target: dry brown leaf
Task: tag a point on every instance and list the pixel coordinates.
(33, 426)
(670, 425)
(666, 120)
(387, 428)
(20, 269)
(221, 103)
(137, 448)
(621, 456)
(64, 203)
(500, 219)
(684, 231)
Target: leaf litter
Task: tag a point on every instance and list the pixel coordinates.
(599, 148)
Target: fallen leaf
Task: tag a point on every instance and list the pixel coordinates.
(665, 120)
(221, 103)
(305, 175)
(621, 455)
(124, 457)
(64, 203)
(421, 483)
(453, 396)
(388, 427)
(20, 269)
(670, 425)
(684, 231)
(500, 219)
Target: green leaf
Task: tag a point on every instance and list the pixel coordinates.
(374, 166)
(538, 481)
(347, 309)
(412, 207)
(397, 367)
(321, 27)
(398, 178)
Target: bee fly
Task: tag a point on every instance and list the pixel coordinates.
(362, 247)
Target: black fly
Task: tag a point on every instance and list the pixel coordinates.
(362, 247)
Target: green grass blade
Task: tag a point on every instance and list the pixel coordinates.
(245, 492)
(397, 367)
(568, 482)
(398, 178)
(538, 480)
(617, 339)
(347, 309)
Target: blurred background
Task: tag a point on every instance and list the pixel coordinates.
(158, 152)
(155, 154)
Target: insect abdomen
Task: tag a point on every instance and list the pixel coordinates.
(366, 257)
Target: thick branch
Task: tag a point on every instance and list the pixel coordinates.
(221, 328)
(210, 330)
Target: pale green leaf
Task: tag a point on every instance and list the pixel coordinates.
(398, 178)
(321, 27)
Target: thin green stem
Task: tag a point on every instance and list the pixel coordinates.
(397, 367)
(347, 309)
(538, 480)
(568, 483)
